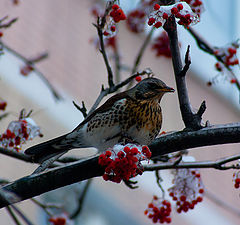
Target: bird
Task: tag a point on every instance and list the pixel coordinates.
(134, 114)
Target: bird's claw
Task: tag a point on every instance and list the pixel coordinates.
(131, 184)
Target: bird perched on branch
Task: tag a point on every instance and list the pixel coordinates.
(134, 114)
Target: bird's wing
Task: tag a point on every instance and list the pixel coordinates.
(103, 108)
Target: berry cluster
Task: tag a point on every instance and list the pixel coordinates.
(61, 219)
(3, 105)
(181, 11)
(228, 54)
(187, 190)
(123, 162)
(196, 6)
(159, 210)
(18, 133)
(25, 70)
(236, 179)
(161, 45)
(136, 20)
(117, 13)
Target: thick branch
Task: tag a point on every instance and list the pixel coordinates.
(75, 172)
(190, 119)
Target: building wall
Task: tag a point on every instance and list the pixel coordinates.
(75, 67)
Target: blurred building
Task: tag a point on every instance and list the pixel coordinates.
(76, 69)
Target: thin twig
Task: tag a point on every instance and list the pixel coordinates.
(45, 207)
(81, 200)
(4, 115)
(142, 50)
(218, 164)
(9, 23)
(141, 53)
(56, 95)
(82, 108)
(12, 214)
(22, 215)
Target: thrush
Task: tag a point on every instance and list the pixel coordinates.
(135, 114)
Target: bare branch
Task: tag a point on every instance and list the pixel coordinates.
(13, 216)
(56, 95)
(191, 120)
(218, 164)
(7, 24)
(22, 215)
(82, 108)
(81, 200)
(142, 50)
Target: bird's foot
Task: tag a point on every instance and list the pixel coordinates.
(131, 184)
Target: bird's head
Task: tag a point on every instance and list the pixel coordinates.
(149, 88)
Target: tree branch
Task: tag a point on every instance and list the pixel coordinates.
(218, 164)
(191, 120)
(56, 95)
(79, 171)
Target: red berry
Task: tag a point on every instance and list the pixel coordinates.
(113, 28)
(158, 24)
(165, 16)
(233, 81)
(151, 21)
(180, 7)
(3, 105)
(156, 7)
(105, 33)
(138, 78)
(1, 33)
(232, 51)
(174, 10)
(115, 7)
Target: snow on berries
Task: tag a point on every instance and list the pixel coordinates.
(187, 189)
(115, 16)
(159, 210)
(18, 133)
(228, 54)
(123, 161)
(196, 6)
(182, 12)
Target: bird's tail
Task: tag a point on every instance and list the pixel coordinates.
(48, 149)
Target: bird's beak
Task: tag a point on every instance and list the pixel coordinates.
(167, 89)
